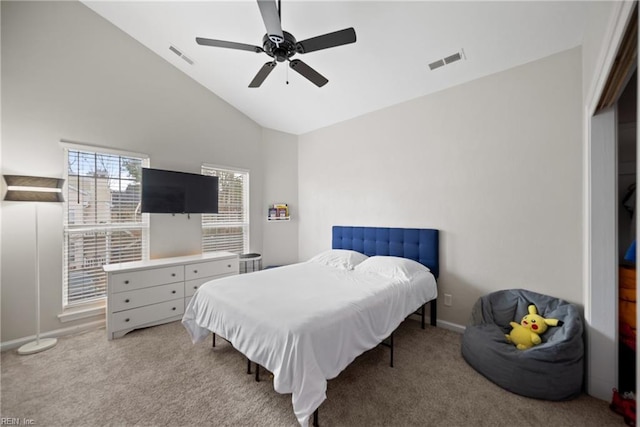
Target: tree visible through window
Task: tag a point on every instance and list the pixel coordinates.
(228, 230)
(103, 223)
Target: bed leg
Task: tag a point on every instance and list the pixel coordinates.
(257, 372)
(422, 315)
(433, 309)
(248, 366)
(315, 418)
(391, 346)
(214, 340)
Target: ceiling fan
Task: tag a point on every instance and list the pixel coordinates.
(281, 45)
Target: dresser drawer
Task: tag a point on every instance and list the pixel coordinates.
(127, 281)
(191, 286)
(130, 319)
(627, 277)
(147, 296)
(211, 268)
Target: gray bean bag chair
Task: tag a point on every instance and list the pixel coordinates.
(551, 370)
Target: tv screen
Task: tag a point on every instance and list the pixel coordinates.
(173, 192)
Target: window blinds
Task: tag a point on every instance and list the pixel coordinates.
(102, 221)
(228, 230)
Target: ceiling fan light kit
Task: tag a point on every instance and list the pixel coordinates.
(281, 45)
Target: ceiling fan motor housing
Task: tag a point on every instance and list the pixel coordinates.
(281, 45)
(282, 51)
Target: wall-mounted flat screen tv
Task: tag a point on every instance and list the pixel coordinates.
(174, 192)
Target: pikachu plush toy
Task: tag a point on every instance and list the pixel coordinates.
(527, 333)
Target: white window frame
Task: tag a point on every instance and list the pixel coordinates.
(245, 224)
(92, 306)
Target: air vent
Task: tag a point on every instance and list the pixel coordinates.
(453, 58)
(447, 60)
(181, 55)
(439, 63)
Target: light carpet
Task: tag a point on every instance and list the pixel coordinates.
(156, 377)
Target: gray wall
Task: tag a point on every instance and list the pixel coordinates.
(495, 164)
(69, 74)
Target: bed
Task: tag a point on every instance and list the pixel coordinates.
(338, 305)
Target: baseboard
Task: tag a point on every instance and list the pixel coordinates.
(440, 323)
(451, 326)
(9, 345)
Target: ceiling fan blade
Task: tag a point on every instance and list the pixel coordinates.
(228, 45)
(337, 38)
(309, 73)
(262, 74)
(271, 18)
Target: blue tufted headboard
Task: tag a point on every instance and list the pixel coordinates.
(418, 244)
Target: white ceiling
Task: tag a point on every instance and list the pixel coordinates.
(387, 65)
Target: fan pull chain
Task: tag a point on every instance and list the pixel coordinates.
(287, 76)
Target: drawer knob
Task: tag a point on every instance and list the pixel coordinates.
(173, 274)
(174, 309)
(173, 292)
(195, 287)
(229, 265)
(126, 320)
(195, 271)
(127, 300)
(126, 282)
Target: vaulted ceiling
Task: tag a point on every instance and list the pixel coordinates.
(388, 64)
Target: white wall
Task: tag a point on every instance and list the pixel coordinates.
(280, 151)
(495, 164)
(90, 82)
(69, 74)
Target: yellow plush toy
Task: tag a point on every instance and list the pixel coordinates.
(527, 333)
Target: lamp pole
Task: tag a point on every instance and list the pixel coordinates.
(21, 188)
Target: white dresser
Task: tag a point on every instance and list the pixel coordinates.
(148, 293)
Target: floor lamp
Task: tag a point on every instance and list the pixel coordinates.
(35, 189)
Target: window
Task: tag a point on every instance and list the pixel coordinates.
(228, 230)
(102, 220)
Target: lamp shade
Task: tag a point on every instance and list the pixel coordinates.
(33, 189)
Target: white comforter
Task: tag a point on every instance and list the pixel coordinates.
(305, 322)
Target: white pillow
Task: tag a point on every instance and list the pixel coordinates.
(391, 267)
(340, 258)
